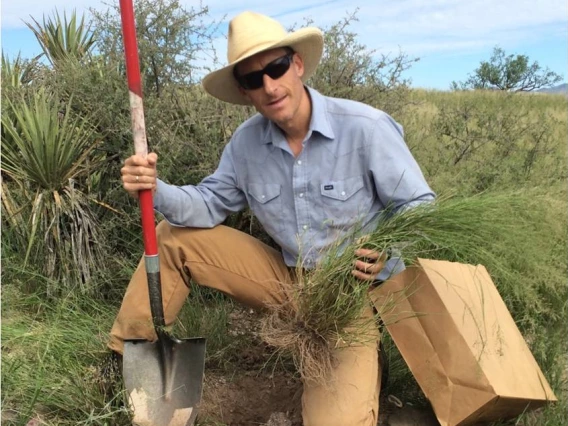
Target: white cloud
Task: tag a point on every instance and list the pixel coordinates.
(418, 26)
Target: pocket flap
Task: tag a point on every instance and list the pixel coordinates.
(342, 189)
(264, 192)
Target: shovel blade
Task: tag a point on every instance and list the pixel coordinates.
(144, 381)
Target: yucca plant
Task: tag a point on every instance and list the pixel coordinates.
(18, 72)
(62, 39)
(514, 235)
(47, 161)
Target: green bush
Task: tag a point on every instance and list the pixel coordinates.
(465, 142)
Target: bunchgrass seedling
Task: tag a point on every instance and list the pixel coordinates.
(326, 305)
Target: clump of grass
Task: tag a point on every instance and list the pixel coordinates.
(51, 362)
(513, 234)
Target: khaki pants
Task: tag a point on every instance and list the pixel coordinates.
(250, 272)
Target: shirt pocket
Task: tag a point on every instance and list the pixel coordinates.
(266, 203)
(345, 201)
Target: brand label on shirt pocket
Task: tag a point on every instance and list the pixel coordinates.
(345, 201)
(342, 189)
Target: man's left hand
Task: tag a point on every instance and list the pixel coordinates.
(369, 264)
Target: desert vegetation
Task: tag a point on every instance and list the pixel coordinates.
(71, 236)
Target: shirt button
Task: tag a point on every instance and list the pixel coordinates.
(300, 162)
(262, 196)
(301, 194)
(305, 227)
(342, 193)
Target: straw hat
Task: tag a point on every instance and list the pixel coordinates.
(251, 33)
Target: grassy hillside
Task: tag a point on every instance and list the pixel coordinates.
(54, 333)
(71, 236)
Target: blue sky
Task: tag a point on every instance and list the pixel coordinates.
(450, 37)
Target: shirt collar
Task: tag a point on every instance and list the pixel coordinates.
(319, 121)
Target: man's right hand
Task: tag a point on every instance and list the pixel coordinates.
(139, 173)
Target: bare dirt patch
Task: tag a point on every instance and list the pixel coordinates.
(251, 399)
(259, 394)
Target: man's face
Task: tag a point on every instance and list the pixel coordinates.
(278, 99)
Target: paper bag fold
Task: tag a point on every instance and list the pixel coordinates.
(460, 342)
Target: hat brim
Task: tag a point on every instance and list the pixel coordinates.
(307, 42)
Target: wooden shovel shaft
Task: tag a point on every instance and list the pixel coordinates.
(137, 116)
(152, 262)
(174, 382)
(141, 148)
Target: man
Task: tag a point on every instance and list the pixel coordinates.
(310, 168)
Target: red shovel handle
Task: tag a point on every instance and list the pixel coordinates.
(137, 115)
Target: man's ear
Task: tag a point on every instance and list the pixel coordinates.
(298, 64)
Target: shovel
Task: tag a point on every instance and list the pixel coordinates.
(163, 378)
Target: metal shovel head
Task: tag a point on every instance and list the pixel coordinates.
(145, 381)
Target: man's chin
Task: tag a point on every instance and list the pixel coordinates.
(277, 116)
(280, 118)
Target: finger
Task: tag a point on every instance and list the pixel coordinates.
(136, 160)
(362, 276)
(367, 267)
(143, 171)
(136, 187)
(371, 268)
(371, 254)
(367, 254)
(137, 182)
(130, 172)
(152, 159)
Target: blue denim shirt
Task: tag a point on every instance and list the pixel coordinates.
(353, 163)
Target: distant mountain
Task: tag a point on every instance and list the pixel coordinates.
(561, 89)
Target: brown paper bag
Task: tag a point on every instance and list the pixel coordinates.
(460, 342)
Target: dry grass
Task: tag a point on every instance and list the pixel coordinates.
(325, 306)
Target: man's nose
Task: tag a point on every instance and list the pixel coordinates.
(269, 85)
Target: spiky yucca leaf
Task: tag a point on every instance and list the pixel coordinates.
(43, 143)
(62, 39)
(47, 154)
(18, 72)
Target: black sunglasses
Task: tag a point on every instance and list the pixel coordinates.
(275, 69)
